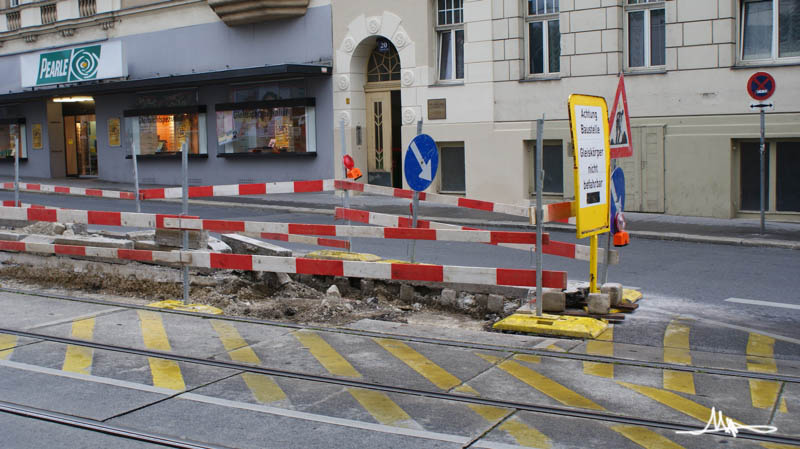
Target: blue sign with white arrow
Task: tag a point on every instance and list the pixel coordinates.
(421, 162)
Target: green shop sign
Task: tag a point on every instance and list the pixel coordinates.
(68, 66)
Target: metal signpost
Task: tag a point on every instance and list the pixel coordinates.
(16, 176)
(136, 178)
(539, 178)
(419, 168)
(346, 197)
(185, 175)
(589, 125)
(760, 87)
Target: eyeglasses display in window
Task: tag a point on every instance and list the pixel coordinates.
(265, 128)
(12, 139)
(162, 134)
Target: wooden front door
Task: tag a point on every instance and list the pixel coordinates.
(379, 138)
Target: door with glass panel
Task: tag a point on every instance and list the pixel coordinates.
(80, 133)
(379, 138)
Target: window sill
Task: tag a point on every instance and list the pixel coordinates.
(10, 160)
(653, 71)
(165, 156)
(744, 65)
(447, 84)
(284, 155)
(453, 192)
(533, 79)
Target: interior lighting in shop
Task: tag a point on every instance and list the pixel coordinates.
(72, 99)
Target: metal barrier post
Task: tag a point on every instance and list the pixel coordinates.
(346, 197)
(185, 211)
(16, 176)
(136, 178)
(415, 206)
(539, 179)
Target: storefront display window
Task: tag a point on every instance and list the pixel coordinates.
(285, 126)
(12, 138)
(162, 132)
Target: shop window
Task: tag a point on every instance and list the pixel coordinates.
(167, 131)
(647, 38)
(543, 37)
(12, 138)
(782, 186)
(282, 90)
(770, 29)
(452, 167)
(284, 126)
(553, 161)
(450, 39)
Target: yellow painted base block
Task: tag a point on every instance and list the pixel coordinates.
(566, 326)
(174, 304)
(329, 254)
(630, 296)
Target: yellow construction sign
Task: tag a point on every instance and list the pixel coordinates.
(588, 117)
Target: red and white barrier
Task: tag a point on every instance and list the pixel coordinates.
(305, 239)
(370, 270)
(451, 235)
(267, 188)
(552, 212)
(552, 247)
(28, 187)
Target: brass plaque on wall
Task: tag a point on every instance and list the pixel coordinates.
(437, 109)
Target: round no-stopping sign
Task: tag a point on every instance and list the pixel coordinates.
(761, 86)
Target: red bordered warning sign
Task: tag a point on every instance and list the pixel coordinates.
(619, 124)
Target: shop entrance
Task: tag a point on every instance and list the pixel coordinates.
(80, 137)
(384, 151)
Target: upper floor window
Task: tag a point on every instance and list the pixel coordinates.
(770, 29)
(450, 35)
(543, 37)
(647, 36)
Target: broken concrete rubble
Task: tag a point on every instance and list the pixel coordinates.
(241, 244)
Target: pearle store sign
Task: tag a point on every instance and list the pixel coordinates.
(72, 65)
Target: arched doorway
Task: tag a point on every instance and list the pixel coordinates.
(383, 117)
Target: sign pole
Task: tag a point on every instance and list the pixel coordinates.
(16, 174)
(593, 264)
(185, 211)
(346, 197)
(415, 205)
(607, 255)
(763, 171)
(539, 177)
(136, 179)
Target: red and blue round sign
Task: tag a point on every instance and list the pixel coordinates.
(761, 86)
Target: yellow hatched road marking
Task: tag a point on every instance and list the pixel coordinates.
(760, 358)
(524, 434)
(78, 359)
(325, 354)
(264, 388)
(547, 386)
(528, 358)
(676, 350)
(377, 403)
(674, 401)
(777, 446)
(382, 408)
(645, 437)
(166, 373)
(7, 344)
(603, 345)
(419, 363)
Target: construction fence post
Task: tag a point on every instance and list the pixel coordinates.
(185, 211)
(346, 197)
(539, 179)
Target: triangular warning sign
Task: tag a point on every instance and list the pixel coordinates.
(619, 124)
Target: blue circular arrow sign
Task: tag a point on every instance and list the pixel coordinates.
(421, 162)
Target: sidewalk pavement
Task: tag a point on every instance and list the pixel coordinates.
(735, 231)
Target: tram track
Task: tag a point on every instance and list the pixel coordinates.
(595, 358)
(447, 396)
(100, 427)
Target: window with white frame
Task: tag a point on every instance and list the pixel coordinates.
(770, 29)
(450, 38)
(647, 37)
(543, 37)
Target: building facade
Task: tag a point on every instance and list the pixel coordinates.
(244, 87)
(478, 73)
